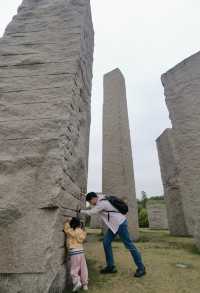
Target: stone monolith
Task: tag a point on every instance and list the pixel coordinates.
(118, 174)
(46, 58)
(172, 185)
(197, 233)
(182, 90)
(157, 214)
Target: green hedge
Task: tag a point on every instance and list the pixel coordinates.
(143, 218)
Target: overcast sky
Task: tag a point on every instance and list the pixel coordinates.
(144, 39)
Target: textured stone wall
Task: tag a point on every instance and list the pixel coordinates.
(157, 215)
(45, 70)
(168, 159)
(96, 222)
(197, 233)
(182, 90)
(118, 175)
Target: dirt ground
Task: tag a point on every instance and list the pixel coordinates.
(173, 265)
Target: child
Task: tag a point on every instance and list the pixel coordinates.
(75, 237)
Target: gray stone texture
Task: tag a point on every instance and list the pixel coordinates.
(46, 58)
(182, 90)
(157, 214)
(118, 174)
(96, 222)
(169, 167)
(197, 233)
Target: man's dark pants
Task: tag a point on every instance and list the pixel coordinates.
(125, 237)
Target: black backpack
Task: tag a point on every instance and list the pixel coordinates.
(117, 203)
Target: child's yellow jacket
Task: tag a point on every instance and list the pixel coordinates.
(75, 238)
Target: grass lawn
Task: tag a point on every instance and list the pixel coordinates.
(173, 265)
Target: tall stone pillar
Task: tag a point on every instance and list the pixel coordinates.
(170, 173)
(46, 58)
(118, 175)
(182, 91)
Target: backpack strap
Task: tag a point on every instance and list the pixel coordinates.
(109, 211)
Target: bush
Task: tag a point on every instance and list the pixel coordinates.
(143, 218)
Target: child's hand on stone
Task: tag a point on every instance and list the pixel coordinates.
(67, 220)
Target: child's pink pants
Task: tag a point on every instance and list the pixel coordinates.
(79, 271)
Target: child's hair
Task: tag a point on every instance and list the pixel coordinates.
(75, 223)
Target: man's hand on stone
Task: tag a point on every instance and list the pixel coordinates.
(78, 208)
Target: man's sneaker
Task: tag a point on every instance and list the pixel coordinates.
(85, 288)
(108, 270)
(76, 287)
(140, 273)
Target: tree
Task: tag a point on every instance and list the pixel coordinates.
(144, 199)
(143, 218)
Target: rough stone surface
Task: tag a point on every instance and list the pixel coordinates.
(157, 215)
(182, 91)
(168, 159)
(197, 233)
(118, 175)
(96, 222)
(45, 70)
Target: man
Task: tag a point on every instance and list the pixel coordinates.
(117, 225)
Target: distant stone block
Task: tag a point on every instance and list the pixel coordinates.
(157, 215)
(182, 91)
(169, 166)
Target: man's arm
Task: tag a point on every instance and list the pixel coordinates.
(97, 209)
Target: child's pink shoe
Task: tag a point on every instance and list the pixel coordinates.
(85, 288)
(76, 287)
